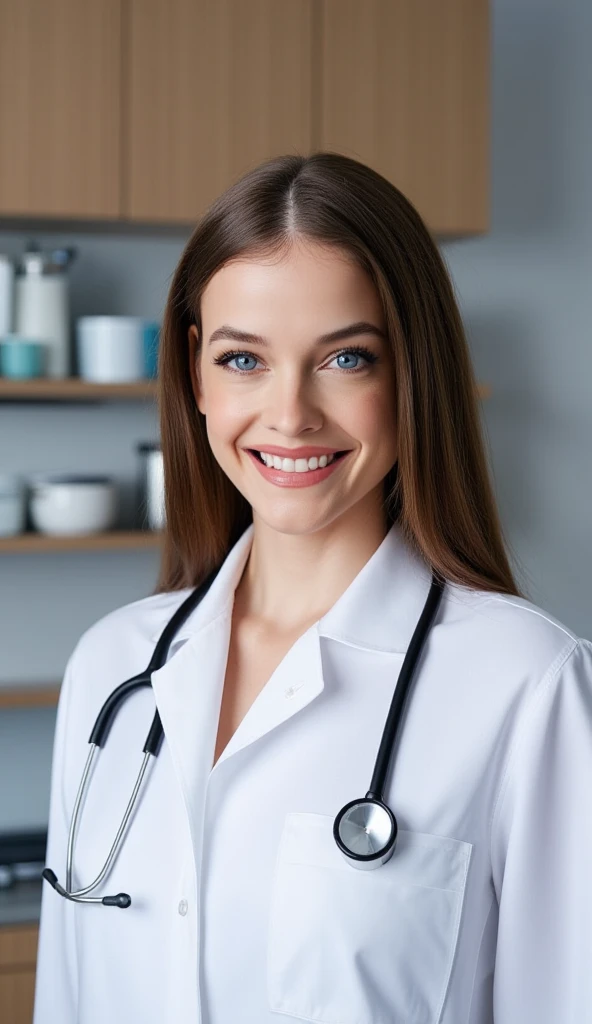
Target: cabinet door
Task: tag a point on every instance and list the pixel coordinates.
(17, 995)
(405, 89)
(18, 952)
(60, 107)
(214, 89)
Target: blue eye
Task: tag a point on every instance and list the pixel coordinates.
(348, 355)
(228, 356)
(225, 358)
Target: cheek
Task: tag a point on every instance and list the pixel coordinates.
(224, 413)
(372, 416)
(226, 421)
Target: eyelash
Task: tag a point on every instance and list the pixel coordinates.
(358, 350)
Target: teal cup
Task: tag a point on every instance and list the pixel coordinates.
(151, 334)
(21, 358)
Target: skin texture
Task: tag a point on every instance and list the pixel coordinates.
(309, 543)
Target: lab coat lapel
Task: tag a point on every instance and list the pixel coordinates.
(296, 681)
(188, 693)
(188, 688)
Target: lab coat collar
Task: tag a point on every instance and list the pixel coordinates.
(378, 611)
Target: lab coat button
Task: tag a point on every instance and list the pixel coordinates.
(182, 908)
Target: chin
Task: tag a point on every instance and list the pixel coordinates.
(295, 522)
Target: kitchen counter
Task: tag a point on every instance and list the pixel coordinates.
(21, 903)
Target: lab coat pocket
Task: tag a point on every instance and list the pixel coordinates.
(347, 946)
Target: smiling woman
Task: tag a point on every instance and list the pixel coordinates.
(295, 852)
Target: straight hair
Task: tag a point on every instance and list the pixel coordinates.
(439, 490)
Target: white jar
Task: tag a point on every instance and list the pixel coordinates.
(42, 305)
(110, 349)
(13, 504)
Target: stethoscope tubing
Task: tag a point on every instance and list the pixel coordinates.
(365, 829)
(151, 749)
(153, 743)
(397, 707)
(114, 701)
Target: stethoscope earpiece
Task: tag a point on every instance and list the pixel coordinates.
(365, 831)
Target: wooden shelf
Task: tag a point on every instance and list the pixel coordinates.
(110, 540)
(29, 696)
(73, 389)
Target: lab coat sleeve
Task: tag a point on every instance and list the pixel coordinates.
(542, 853)
(56, 979)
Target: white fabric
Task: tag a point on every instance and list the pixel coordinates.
(243, 909)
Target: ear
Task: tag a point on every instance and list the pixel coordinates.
(194, 370)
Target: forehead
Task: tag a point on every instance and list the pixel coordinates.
(308, 282)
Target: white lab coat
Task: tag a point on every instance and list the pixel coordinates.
(243, 909)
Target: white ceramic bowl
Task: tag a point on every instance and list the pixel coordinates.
(72, 505)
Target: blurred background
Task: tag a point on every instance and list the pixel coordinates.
(120, 121)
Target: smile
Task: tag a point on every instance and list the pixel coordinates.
(296, 465)
(296, 472)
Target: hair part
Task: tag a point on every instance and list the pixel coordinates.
(439, 490)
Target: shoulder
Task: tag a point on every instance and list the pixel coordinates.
(127, 633)
(507, 612)
(507, 633)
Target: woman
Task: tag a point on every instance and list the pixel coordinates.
(311, 318)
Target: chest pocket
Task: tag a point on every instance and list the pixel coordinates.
(348, 946)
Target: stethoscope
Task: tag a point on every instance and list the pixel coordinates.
(365, 830)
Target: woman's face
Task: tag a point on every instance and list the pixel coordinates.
(291, 389)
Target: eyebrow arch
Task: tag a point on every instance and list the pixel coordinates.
(245, 337)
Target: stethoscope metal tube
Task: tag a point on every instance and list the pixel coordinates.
(98, 738)
(365, 829)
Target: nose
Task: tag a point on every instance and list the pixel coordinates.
(290, 406)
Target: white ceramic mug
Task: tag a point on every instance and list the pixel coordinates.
(110, 349)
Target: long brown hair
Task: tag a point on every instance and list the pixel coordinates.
(439, 489)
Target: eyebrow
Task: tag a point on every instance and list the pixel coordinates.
(245, 337)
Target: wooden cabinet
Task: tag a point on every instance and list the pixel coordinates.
(214, 88)
(404, 88)
(145, 110)
(18, 953)
(60, 91)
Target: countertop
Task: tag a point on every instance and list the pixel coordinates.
(21, 903)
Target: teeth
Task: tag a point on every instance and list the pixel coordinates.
(296, 465)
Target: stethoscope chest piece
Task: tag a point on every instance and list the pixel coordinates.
(365, 831)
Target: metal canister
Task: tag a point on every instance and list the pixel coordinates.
(6, 294)
(151, 486)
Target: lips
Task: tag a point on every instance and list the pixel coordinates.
(281, 478)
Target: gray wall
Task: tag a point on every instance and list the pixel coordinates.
(524, 292)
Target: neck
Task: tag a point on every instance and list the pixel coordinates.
(292, 580)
